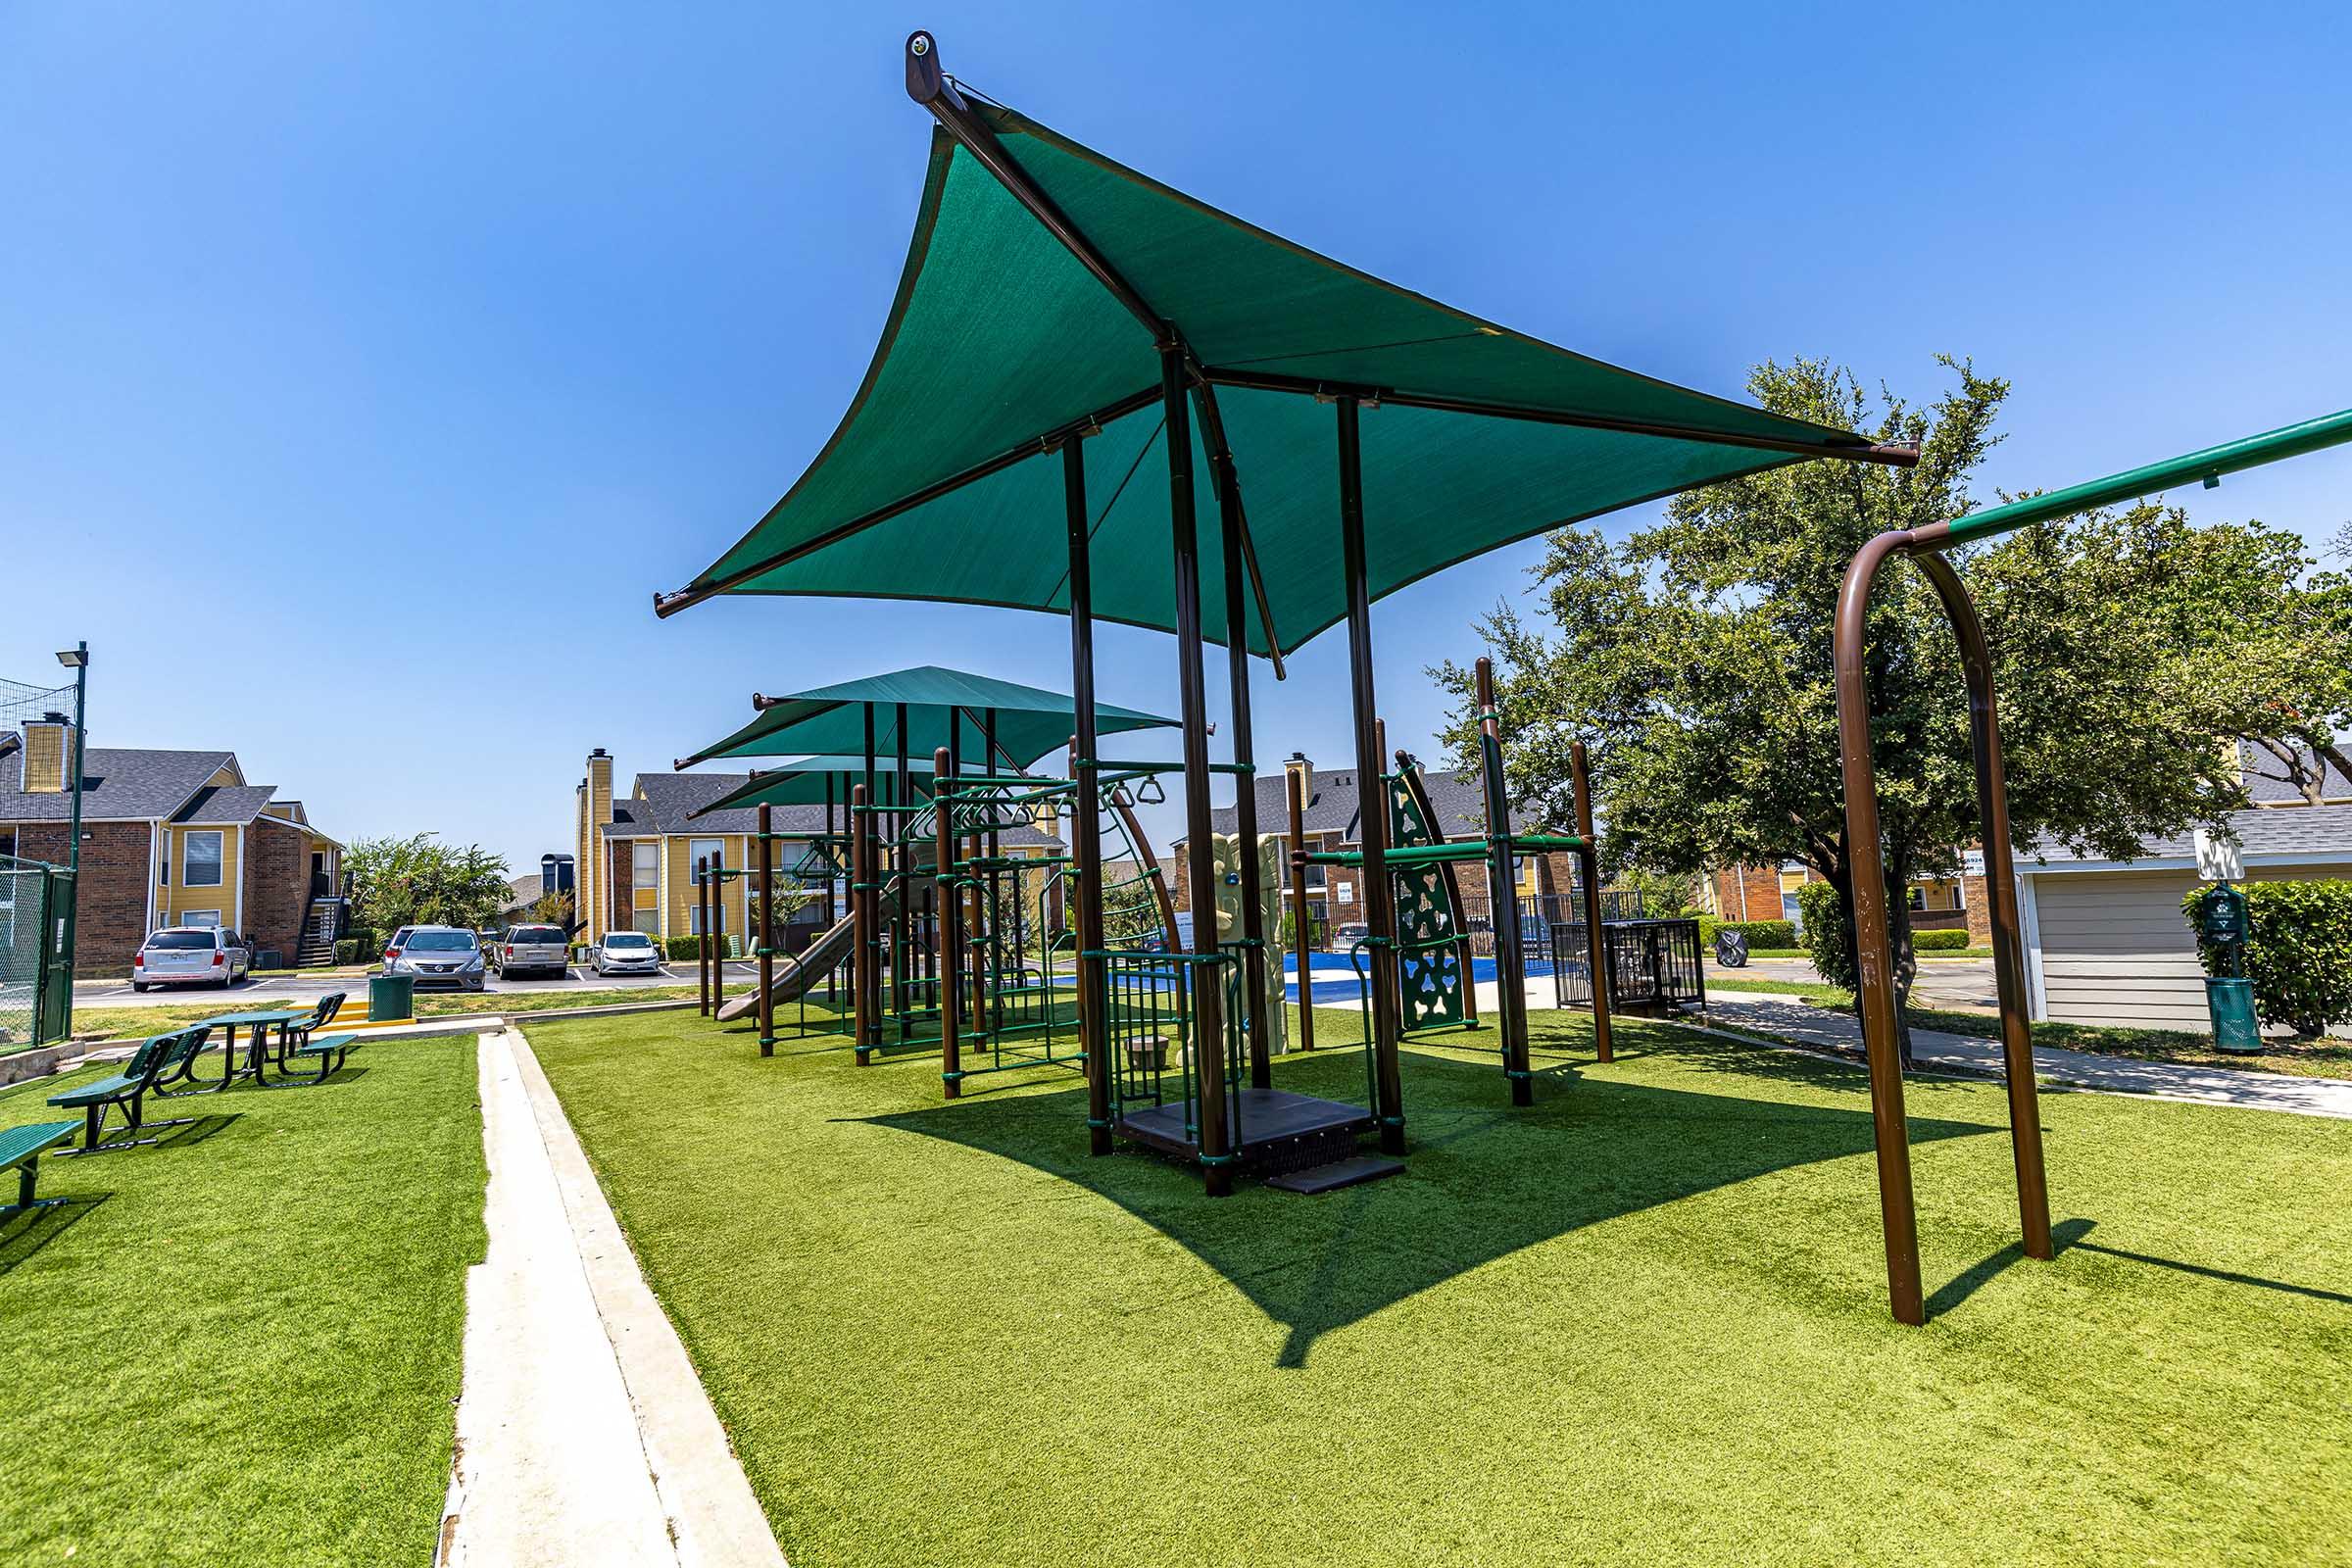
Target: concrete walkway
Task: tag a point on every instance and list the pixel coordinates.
(583, 1435)
(1793, 1019)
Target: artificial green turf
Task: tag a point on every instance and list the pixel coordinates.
(1642, 1322)
(242, 1346)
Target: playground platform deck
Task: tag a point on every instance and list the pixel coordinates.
(1275, 1130)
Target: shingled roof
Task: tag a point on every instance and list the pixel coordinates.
(117, 784)
(1453, 795)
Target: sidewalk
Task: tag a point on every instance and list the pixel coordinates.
(1793, 1019)
(584, 1438)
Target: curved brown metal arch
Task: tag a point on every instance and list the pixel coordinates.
(1898, 1214)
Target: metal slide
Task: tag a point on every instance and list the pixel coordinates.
(796, 976)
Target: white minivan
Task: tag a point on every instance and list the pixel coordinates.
(191, 956)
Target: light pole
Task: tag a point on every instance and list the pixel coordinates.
(77, 660)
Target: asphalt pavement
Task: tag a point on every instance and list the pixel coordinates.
(1942, 982)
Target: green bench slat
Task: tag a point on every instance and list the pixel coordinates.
(91, 1094)
(319, 1048)
(21, 1143)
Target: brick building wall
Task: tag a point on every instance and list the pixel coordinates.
(1758, 885)
(1554, 876)
(276, 872)
(621, 905)
(111, 913)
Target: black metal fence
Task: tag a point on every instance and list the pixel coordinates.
(1655, 966)
(1539, 913)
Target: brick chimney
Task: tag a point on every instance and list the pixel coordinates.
(48, 754)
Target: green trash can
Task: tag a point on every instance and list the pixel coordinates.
(391, 995)
(2231, 1002)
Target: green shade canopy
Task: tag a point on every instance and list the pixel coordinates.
(938, 484)
(831, 720)
(815, 781)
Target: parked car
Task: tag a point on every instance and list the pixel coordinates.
(437, 955)
(627, 952)
(1344, 938)
(191, 956)
(534, 949)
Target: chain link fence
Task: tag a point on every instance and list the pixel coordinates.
(36, 972)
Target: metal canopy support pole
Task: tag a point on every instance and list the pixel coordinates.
(1245, 758)
(902, 797)
(1372, 815)
(702, 917)
(1866, 863)
(1085, 825)
(2000, 889)
(951, 930)
(766, 864)
(1302, 920)
(1502, 896)
(1596, 945)
(1208, 1035)
(861, 925)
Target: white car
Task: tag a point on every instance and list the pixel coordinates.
(191, 956)
(627, 952)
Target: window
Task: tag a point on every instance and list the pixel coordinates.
(646, 920)
(627, 942)
(179, 942)
(645, 865)
(712, 850)
(200, 860)
(694, 919)
(1918, 897)
(441, 942)
(1789, 909)
(205, 917)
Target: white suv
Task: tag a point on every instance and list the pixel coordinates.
(191, 956)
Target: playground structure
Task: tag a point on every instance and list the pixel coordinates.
(1926, 548)
(1061, 312)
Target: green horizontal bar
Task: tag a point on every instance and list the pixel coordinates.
(2289, 441)
(1549, 841)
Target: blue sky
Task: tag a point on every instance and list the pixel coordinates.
(364, 369)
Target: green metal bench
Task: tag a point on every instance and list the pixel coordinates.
(152, 1063)
(21, 1150)
(325, 1054)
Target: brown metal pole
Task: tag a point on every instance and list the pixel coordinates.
(1245, 756)
(765, 861)
(1372, 813)
(1301, 919)
(865, 1004)
(1596, 946)
(1502, 896)
(2000, 893)
(1086, 806)
(951, 929)
(702, 946)
(1208, 1034)
(1866, 868)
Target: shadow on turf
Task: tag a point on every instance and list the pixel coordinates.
(1485, 1180)
(2067, 1236)
(24, 1235)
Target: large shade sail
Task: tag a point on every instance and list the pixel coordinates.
(942, 707)
(1001, 340)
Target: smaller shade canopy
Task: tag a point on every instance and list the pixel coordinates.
(807, 782)
(944, 707)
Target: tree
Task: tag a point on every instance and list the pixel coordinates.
(552, 907)
(418, 881)
(1694, 659)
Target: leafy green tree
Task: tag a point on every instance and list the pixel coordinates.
(420, 881)
(1694, 659)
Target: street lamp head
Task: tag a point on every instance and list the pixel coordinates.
(75, 657)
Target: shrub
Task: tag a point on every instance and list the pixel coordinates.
(2299, 951)
(1939, 941)
(347, 950)
(1829, 939)
(686, 949)
(1759, 933)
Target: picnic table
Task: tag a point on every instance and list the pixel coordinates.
(256, 1024)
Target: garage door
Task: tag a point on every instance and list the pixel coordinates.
(2114, 950)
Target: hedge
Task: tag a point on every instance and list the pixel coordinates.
(1939, 941)
(1759, 933)
(686, 947)
(2299, 951)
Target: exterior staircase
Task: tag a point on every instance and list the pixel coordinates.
(320, 925)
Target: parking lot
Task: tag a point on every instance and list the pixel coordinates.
(304, 989)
